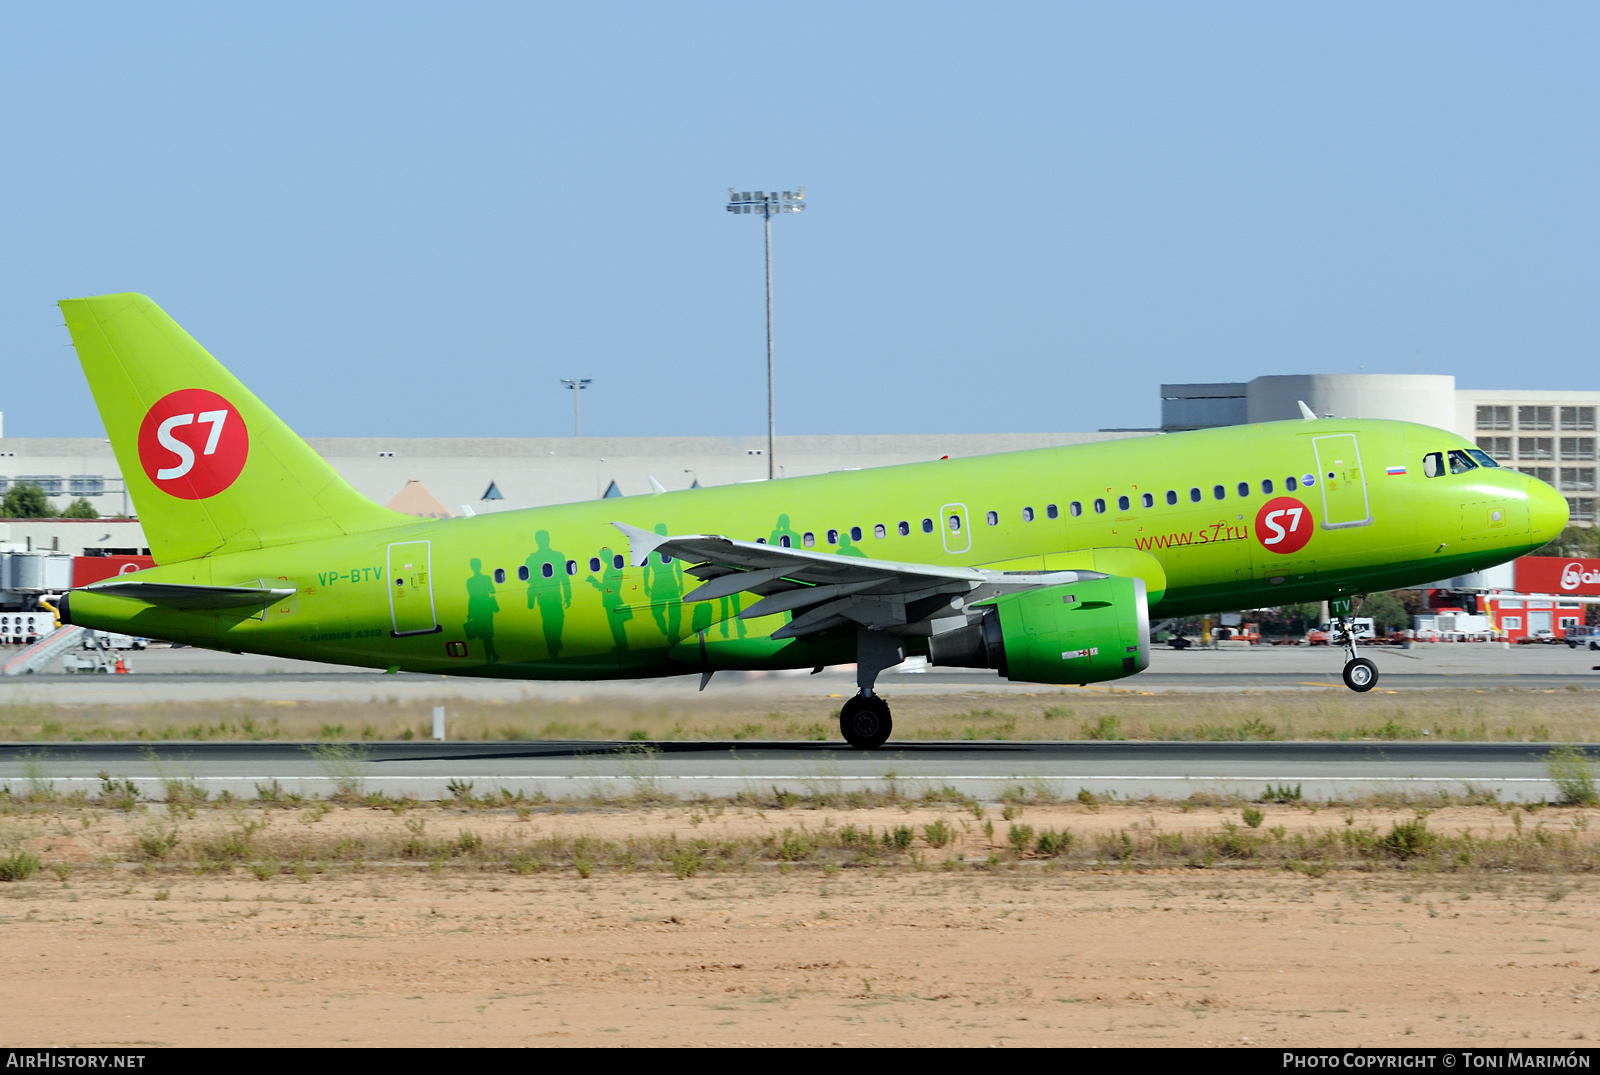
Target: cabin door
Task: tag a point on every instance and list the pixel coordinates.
(410, 578)
(1344, 486)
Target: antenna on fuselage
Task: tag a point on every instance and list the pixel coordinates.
(1306, 412)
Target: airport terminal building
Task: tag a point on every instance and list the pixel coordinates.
(1548, 434)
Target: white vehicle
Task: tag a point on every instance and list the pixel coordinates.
(106, 640)
(1360, 626)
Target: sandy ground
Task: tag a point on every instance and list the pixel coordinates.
(890, 955)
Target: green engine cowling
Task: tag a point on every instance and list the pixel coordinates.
(1082, 632)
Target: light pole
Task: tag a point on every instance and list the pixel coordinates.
(577, 414)
(768, 205)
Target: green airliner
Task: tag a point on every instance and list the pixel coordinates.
(1045, 565)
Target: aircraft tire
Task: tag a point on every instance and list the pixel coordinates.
(1360, 675)
(865, 722)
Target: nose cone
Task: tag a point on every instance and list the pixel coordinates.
(1547, 512)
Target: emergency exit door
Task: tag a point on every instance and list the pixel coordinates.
(1344, 485)
(410, 578)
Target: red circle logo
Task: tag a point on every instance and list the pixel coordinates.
(1283, 525)
(193, 444)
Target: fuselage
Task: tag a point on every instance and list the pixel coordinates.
(1237, 517)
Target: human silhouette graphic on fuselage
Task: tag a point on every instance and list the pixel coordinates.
(663, 584)
(610, 586)
(481, 607)
(549, 591)
(783, 535)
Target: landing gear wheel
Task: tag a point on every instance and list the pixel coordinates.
(864, 722)
(1360, 675)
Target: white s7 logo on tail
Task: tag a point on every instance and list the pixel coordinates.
(178, 448)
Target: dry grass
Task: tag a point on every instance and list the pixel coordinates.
(1568, 715)
(290, 835)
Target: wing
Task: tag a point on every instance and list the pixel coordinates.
(183, 595)
(825, 590)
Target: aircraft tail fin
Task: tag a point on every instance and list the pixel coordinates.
(208, 467)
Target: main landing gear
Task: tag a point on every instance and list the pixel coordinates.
(1360, 674)
(864, 720)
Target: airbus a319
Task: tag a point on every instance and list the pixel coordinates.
(1045, 565)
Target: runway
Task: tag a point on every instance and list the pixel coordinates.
(1168, 770)
(190, 675)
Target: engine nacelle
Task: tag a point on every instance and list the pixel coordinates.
(1081, 632)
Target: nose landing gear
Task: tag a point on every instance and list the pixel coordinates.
(1360, 674)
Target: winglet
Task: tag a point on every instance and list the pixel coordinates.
(1306, 412)
(641, 543)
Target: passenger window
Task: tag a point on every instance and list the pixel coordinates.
(833, 537)
(1051, 511)
(1460, 462)
(993, 518)
(879, 530)
(1099, 506)
(1289, 485)
(1148, 500)
(927, 526)
(1075, 508)
(808, 539)
(617, 561)
(1194, 495)
(594, 564)
(1244, 489)
(499, 574)
(1266, 486)
(1172, 496)
(522, 572)
(547, 570)
(1219, 492)
(904, 528)
(1122, 503)
(1027, 515)
(572, 567)
(665, 558)
(784, 541)
(955, 524)
(855, 533)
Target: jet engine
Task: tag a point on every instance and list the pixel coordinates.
(1080, 632)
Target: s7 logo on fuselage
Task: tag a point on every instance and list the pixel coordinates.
(1283, 525)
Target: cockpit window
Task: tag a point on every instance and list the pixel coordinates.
(1483, 459)
(1433, 464)
(1460, 462)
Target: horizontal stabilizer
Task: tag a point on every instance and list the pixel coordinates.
(181, 595)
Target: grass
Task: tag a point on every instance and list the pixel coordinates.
(1573, 774)
(495, 833)
(1050, 714)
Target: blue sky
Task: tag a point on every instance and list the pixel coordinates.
(411, 221)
